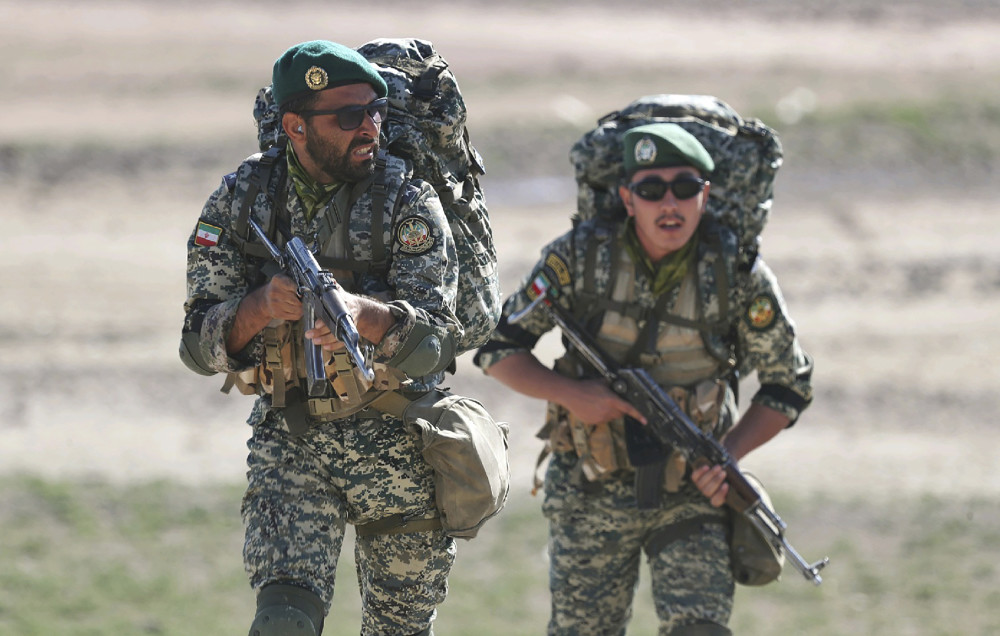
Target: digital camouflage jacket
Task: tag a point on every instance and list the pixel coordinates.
(746, 327)
(419, 284)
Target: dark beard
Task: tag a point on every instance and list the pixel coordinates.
(338, 166)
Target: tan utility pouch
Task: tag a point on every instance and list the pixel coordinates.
(468, 451)
(600, 447)
(753, 559)
(261, 379)
(703, 404)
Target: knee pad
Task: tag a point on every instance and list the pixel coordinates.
(706, 628)
(287, 610)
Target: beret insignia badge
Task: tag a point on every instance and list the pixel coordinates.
(761, 312)
(316, 78)
(414, 236)
(645, 151)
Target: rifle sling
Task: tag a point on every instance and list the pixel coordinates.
(676, 531)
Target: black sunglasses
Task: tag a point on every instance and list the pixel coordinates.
(350, 117)
(655, 188)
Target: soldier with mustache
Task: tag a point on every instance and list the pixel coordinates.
(320, 462)
(648, 289)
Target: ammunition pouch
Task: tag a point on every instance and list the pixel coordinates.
(275, 375)
(606, 448)
(281, 374)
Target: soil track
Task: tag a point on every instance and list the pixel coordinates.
(892, 277)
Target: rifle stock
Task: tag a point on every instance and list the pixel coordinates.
(674, 428)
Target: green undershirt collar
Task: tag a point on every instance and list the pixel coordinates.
(312, 194)
(671, 269)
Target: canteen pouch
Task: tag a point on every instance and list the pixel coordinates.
(468, 451)
(753, 559)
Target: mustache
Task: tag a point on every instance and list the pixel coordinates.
(357, 143)
(670, 216)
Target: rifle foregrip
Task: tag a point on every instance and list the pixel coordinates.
(742, 494)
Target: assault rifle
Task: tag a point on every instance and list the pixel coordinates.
(671, 426)
(321, 296)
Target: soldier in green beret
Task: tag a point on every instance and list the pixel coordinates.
(648, 289)
(320, 462)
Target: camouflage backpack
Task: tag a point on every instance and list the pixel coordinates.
(747, 156)
(426, 126)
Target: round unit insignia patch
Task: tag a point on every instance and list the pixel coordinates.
(645, 151)
(414, 235)
(316, 78)
(761, 312)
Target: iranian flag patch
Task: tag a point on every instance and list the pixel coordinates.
(207, 235)
(538, 287)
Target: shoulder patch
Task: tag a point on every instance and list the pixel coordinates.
(413, 234)
(207, 235)
(557, 267)
(230, 180)
(762, 311)
(539, 285)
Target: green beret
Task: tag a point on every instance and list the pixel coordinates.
(318, 65)
(664, 145)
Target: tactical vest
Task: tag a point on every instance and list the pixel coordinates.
(283, 368)
(676, 356)
(708, 310)
(685, 345)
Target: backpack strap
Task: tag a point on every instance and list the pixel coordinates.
(592, 305)
(261, 175)
(380, 193)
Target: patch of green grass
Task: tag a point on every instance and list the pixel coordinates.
(909, 567)
(81, 559)
(90, 558)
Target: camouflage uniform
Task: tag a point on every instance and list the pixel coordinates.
(597, 532)
(360, 468)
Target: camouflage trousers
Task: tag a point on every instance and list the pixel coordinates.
(303, 490)
(596, 539)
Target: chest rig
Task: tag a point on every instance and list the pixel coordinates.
(359, 265)
(683, 339)
(687, 333)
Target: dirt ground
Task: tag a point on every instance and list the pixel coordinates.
(122, 117)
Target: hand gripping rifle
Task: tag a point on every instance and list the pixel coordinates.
(674, 428)
(321, 296)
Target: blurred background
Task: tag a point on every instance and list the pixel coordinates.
(121, 471)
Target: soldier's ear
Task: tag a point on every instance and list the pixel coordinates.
(294, 126)
(626, 197)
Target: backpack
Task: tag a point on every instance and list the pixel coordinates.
(426, 127)
(747, 156)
